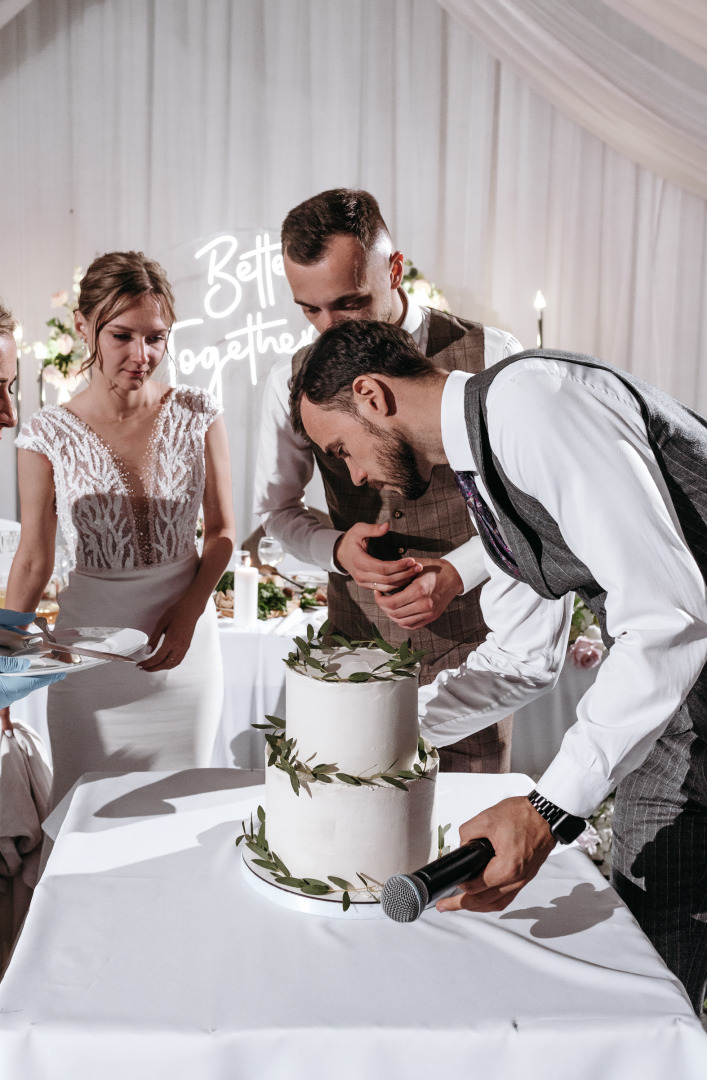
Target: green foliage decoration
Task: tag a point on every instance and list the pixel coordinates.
(256, 842)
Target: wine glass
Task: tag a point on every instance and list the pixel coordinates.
(270, 551)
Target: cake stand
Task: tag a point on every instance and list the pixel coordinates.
(362, 906)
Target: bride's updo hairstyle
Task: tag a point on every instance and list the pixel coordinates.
(116, 281)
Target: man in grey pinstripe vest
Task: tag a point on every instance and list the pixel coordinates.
(582, 479)
(411, 566)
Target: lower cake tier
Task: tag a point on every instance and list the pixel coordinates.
(342, 830)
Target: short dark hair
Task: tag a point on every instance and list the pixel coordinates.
(345, 351)
(308, 229)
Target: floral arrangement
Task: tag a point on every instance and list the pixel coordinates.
(595, 841)
(63, 353)
(586, 647)
(422, 290)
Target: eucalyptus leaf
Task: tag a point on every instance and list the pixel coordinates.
(280, 864)
(346, 779)
(324, 778)
(310, 632)
(316, 881)
(313, 663)
(261, 814)
(359, 676)
(346, 901)
(290, 882)
(302, 646)
(407, 774)
(315, 890)
(275, 720)
(262, 862)
(340, 882)
(324, 628)
(341, 640)
(394, 782)
(257, 849)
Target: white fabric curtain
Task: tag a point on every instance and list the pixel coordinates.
(632, 73)
(154, 124)
(10, 8)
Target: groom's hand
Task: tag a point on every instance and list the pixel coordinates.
(351, 555)
(522, 841)
(425, 598)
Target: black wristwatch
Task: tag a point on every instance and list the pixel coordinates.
(563, 826)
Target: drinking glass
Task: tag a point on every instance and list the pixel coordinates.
(270, 551)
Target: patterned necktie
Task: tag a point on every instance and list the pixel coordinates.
(487, 528)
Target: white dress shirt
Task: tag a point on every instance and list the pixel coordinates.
(286, 462)
(574, 439)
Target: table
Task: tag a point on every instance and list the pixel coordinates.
(146, 955)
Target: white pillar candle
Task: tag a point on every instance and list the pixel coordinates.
(245, 596)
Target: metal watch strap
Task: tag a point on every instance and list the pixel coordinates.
(563, 826)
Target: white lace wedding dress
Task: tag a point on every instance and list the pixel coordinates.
(135, 556)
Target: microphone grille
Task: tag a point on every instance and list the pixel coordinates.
(404, 897)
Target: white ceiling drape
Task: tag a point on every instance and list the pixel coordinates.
(158, 124)
(632, 73)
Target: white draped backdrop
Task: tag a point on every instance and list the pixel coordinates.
(514, 145)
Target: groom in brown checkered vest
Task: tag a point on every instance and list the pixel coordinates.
(412, 567)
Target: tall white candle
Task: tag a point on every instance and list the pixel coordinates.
(245, 595)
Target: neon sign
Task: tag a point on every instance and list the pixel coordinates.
(229, 277)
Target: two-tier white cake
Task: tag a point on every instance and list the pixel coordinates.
(372, 813)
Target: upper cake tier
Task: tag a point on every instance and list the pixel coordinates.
(364, 727)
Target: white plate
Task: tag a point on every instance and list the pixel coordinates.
(309, 578)
(107, 638)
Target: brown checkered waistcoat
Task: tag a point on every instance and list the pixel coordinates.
(428, 527)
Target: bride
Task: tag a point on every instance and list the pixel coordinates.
(125, 467)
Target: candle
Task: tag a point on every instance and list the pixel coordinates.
(539, 305)
(245, 592)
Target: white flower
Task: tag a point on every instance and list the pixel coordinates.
(58, 299)
(64, 344)
(40, 350)
(594, 634)
(589, 840)
(52, 375)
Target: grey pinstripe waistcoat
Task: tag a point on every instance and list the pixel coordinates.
(428, 527)
(678, 438)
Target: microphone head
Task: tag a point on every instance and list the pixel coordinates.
(404, 897)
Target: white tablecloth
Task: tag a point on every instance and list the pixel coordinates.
(146, 955)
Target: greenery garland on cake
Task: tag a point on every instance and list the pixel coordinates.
(283, 755)
(256, 842)
(403, 658)
(402, 662)
(283, 751)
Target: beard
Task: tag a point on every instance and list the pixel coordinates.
(398, 464)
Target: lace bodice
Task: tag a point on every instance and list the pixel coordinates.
(109, 524)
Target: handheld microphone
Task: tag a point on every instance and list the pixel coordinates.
(405, 896)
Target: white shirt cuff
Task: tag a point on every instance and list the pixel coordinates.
(322, 544)
(468, 561)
